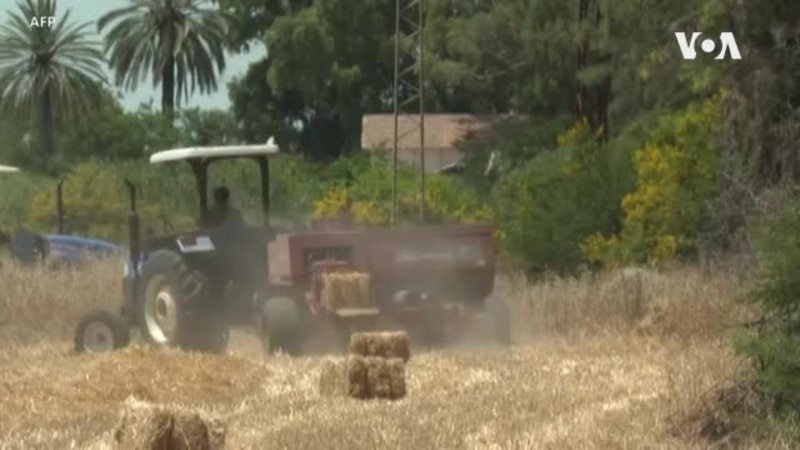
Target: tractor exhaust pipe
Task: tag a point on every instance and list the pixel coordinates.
(60, 206)
(134, 240)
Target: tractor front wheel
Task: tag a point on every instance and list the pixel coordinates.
(101, 332)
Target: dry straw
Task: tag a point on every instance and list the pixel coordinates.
(386, 344)
(333, 380)
(346, 290)
(149, 427)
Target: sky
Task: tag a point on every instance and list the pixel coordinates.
(92, 10)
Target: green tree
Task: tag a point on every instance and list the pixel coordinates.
(53, 72)
(176, 42)
(111, 134)
(331, 61)
(546, 206)
(774, 345)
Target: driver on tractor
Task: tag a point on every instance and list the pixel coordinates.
(222, 213)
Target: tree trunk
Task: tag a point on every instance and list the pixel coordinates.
(583, 49)
(603, 100)
(592, 102)
(603, 91)
(168, 69)
(168, 88)
(46, 128)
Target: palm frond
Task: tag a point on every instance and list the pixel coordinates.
(147, 36)
(62, 60)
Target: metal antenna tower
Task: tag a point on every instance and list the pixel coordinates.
(409, 88)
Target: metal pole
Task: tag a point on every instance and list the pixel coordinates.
(422, 110)
(60, 206)
(396, 108)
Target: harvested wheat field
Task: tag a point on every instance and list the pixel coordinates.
(621, 361)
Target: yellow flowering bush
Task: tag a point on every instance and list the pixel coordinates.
(332, 205)
(675, 174)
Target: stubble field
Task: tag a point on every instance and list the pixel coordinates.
(624, 360)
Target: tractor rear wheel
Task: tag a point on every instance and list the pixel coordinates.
(101, 331)
(174, 309)
(280, 326)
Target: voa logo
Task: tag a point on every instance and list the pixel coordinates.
(726, 44)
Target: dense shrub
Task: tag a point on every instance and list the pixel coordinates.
(96, 204)
(366, 196)
(17, 190)
(676, 174)
(775, 346)
(549, 205)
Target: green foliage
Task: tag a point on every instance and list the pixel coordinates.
(775, 293)
(17, 190)
(180, 45)
(96, 204)
(778, 246)
(676, 174)
(367, 195)
(48, 74)
(514, 141)
(547, 206)
(96, 200)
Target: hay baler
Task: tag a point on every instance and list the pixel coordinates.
(186, 289)
(428, 279)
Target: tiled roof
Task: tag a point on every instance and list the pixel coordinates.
(441, 130)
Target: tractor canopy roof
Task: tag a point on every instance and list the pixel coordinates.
(8, 169)
(218, 152)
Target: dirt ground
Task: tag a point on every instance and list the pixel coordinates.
(604, 363)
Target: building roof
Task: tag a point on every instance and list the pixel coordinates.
(228, 151)
(441, 130)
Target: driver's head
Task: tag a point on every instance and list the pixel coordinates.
(221, 195)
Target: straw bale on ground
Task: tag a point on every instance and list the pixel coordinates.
(148, 427)
(346, 290)
(387, 344)
(364, 378)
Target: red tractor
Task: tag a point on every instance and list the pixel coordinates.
(185, 290)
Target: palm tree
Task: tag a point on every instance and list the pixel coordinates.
(55, 71)
(176, 42)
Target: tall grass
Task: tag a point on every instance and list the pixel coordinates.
(682, 302)
(41, 303)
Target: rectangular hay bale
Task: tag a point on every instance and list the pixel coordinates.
(346, 290)
(357, 377)
(386, 344)
(370, 378)
(379, 377)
